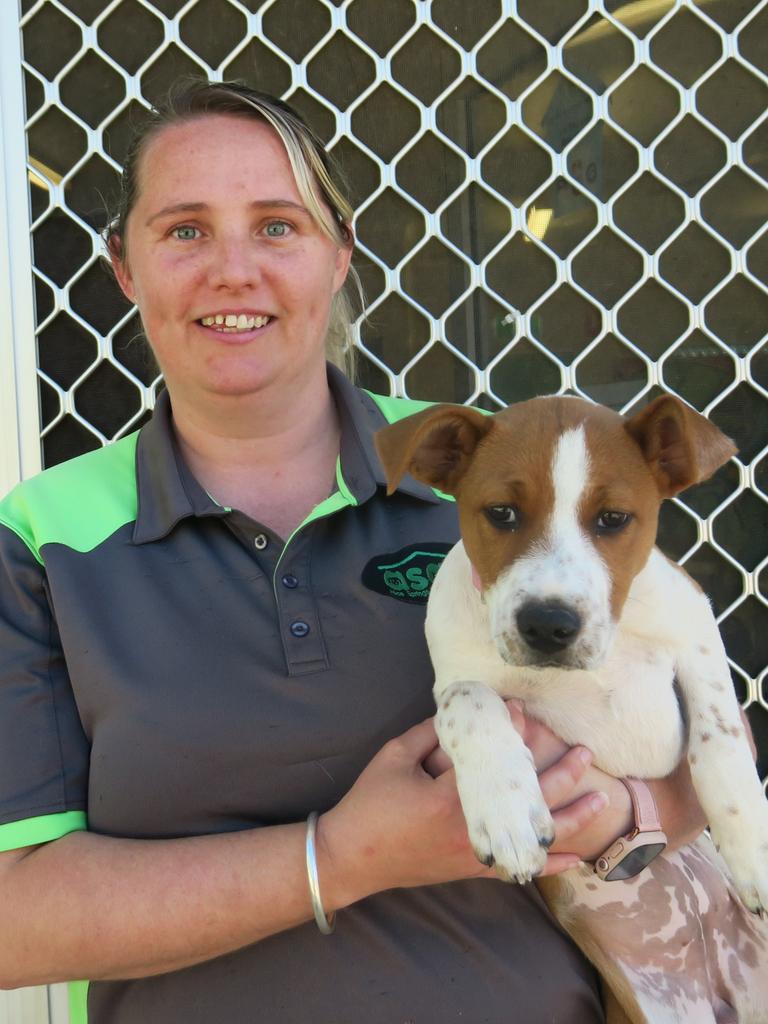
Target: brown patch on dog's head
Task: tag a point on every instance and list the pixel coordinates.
(506, 461)
(513, 466)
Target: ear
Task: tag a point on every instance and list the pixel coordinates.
(341, 268)
(680, 446)
(120, 267)
(435, 445)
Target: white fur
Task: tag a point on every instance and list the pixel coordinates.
(564, 566)
(625, 710)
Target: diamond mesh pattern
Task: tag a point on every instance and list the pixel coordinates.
(552, 195)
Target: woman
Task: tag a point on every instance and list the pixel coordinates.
(200, 648)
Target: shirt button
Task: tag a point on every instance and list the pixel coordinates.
(260, 541)
(299, 628)
(290, 581)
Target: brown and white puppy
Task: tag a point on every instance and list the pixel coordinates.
(556, 595)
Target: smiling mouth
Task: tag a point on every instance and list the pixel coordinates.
(233, 323)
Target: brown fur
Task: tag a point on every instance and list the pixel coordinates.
(634, 464)
(504, 461)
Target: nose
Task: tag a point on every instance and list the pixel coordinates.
(547, 626)
(233, 265)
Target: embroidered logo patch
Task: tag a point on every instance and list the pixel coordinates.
(406, 574)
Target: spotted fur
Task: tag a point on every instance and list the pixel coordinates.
(641, 624)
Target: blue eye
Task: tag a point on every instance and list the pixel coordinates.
(277, 229)
(185, 233)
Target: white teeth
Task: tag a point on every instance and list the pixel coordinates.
(230, 322)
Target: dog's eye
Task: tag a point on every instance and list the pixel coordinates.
(503, 515)
(612, 522)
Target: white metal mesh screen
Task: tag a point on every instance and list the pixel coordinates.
(552, 195)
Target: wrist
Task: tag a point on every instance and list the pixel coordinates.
(337, 873)
(680, 812)
(633, 851)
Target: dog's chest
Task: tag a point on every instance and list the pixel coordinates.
(626, 712)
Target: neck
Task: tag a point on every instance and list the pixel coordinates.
(280, 409)
(271, 458)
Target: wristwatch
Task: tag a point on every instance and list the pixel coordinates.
(629, 855)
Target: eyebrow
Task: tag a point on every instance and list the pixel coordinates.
(257, 204)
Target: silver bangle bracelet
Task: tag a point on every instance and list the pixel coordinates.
(325, 922)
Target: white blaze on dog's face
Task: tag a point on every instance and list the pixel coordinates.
(558, 503)
(561, 582)
(558, 513)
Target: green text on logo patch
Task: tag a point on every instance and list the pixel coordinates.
(406, 574)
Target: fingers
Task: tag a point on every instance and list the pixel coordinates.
(515, 709)
(572, 820)
(436, 762)
(545, 746)
(559, 862)
(416, 743)
(559, 781)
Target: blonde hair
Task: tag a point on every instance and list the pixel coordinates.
(318, 179)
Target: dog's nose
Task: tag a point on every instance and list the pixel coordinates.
(547, 627)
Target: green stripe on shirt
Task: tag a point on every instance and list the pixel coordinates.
(43, 829)
(78, 503)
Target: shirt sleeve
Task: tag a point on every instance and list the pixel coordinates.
(43, 749)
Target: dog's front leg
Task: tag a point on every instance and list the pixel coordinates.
(509, 823)
(722, 768)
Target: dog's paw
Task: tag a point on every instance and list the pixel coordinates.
(510, 827)
(746, 856)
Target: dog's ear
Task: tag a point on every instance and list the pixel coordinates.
(434, 445)
(680, 446)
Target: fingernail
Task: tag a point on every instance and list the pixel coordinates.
(598, 801)
(585, 756)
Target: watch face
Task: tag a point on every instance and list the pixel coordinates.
(635, 861)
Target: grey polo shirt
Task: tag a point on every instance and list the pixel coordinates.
(169, 667)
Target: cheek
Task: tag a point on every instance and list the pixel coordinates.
(167, 290)
(491, 551)
(624, 558)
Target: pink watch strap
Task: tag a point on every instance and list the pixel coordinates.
(643, 805)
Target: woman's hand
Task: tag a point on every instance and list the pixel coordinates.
(680, 813)
(396, 827)
(588, 836)
(679, 810)
(401, 824)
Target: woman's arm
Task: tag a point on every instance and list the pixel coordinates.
(95, 907)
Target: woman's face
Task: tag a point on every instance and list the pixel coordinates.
(232, 276)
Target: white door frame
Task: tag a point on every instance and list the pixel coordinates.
(20, 451)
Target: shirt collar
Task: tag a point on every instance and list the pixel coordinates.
(168, 491)
(360, 418)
